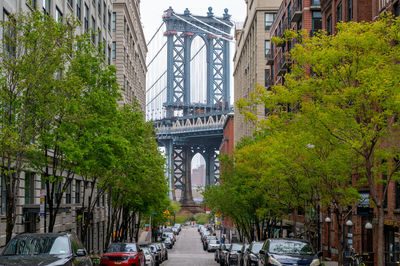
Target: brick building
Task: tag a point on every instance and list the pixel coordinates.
(295, 15)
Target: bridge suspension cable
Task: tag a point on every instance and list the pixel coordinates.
(165, 72)
(159, 51)
(220, 21)
(202, 22)
(202, 29)
(159, 28)
(155, 97)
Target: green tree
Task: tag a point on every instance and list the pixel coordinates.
(352, 96)
(36, 50)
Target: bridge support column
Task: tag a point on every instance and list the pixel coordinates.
(170, 166)
(188, 196)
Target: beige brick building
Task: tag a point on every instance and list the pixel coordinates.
(129, 50)
(250, 62)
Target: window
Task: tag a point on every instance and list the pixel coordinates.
(29, 188)
(124, 81)
(99, 39)
(104, 13)
(109, 20)
(397, 195)
(349, 10)
(104, 48)
(109, 55)
(124, 26)
(99, 8)
(86, 18)
(70, 3)
(59, 15)
(396, 9)
(46, 6)
(77, 191)
(339, 16)
(267, 47)
(79, 9)
(114, 50)
(124, 55)
(316, 21)
(269, 19)
(32, 3)
(315, 3)
(329, 25)
(68, 193)
(94, 29)
(114, 20)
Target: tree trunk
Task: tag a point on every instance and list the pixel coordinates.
(10, 211)
(381, 237)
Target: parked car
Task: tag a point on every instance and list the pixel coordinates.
(170, 235)
(207, 240)
(156, 253)
(45, 249)
(165, 251)
(251, 254)
(212, 245)
(233, 254)
(150, 260)
(242, 253)
(168, 243)
(224, 254)
(281, 251)
(123, 254)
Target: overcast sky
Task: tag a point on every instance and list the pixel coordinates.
(152, 10)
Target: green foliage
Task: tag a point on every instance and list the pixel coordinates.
(202, 218)
(341, 96)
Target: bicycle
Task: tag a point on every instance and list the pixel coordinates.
(356, 260)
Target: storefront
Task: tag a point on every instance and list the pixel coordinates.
(391, 242)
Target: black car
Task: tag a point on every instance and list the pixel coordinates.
(45, 249)
(251, 254)
(281, 251)
(154, 250)
(233, 254)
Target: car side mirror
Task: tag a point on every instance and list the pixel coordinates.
(319, 254)
(218, 242)
(262, 251)
(239, 251)
(80, 253)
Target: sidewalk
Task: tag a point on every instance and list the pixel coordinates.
(330, 263)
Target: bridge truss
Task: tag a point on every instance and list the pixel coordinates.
(189, 101)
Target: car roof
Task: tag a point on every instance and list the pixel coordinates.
(288, 239)
(44, 234)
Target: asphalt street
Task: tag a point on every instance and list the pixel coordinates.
(188, 250)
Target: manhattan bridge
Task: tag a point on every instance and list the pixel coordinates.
(188, 93)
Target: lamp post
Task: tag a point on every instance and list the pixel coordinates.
(328, 222)
(349, 224)
(368, 227)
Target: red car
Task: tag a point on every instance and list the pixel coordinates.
(123, 254)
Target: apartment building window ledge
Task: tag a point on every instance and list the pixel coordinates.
(69, 5)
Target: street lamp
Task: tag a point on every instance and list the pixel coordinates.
(328, 221)
(349, 224)
(368, 226)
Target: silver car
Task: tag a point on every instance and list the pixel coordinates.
(150, 261)
(213, 245)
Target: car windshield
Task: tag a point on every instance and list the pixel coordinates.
(121, 247)
(236, 247)
(35, 245)
(213, 241)
(291, 247)
(226, 246)
(256, 247)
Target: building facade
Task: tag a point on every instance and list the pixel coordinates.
(295, 15)
(252, 46)
(129, 51)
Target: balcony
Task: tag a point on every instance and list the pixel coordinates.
(283, 65)
(268, 81)
(296, 12)
(270, 58)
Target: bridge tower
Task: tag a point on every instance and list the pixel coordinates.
(191, 128)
